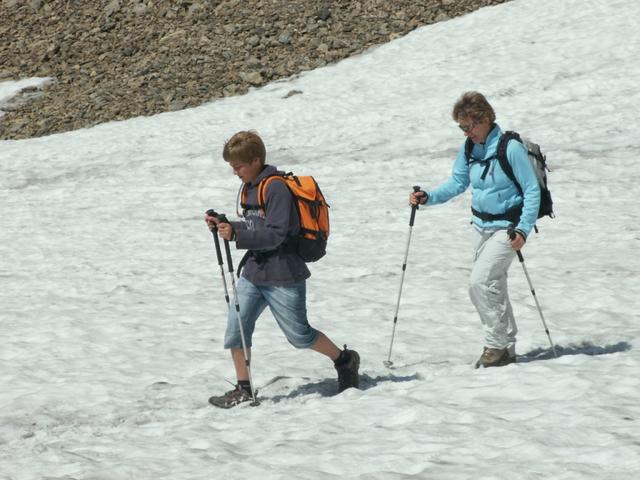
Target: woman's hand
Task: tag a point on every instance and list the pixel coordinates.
(517, 241)
(418, 198)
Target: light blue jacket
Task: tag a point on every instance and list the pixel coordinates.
(496, 193)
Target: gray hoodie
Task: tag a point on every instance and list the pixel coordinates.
(267, 232)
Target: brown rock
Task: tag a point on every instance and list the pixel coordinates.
(124, 58)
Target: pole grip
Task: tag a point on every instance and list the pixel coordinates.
(227, 251)
(416, 189)
(512, 234)
(214, 232)
(223, 219)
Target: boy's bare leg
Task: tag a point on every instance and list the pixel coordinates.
(326, 347)
(237, 355)
(323, 345)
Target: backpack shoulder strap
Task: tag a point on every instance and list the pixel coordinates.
(501, 153)
(468, 148)
(262, 185)
(243, 197)
(262, 188)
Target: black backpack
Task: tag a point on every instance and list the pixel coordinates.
(538, 162)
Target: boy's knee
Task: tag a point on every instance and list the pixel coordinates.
(232, 345)
(233, 340)
(303, 341)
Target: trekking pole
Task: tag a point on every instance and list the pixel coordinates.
(214, 232)
(388, 363)
(223, 219)
(512, 234)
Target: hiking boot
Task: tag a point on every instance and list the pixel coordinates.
(494, 357)
(347, 367)
(231, 398)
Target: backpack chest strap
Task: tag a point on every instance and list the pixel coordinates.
(468, 155)
(487, 164)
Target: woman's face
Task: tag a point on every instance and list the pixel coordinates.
(477, 131)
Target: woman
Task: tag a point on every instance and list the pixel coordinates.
(497, 205)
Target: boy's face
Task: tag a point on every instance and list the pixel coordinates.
(247, 172)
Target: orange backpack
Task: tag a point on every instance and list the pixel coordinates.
(313, 212)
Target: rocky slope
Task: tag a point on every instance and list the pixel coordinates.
(117, 59)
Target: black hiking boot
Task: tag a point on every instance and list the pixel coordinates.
(232, 398)
(347, 366)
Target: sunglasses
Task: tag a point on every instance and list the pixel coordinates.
(467, 128)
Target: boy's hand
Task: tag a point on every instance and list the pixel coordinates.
(211, 221)
(225, 231)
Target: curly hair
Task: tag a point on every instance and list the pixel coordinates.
(473, 105)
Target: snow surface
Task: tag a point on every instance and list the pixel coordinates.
(112, 303)
(10, 89)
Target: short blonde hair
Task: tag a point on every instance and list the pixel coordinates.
(473, 105)
(244, 147)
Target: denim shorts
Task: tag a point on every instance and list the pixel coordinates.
(287, 304)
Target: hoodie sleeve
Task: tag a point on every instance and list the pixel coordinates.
(279, 202)
(518, 158)
(455, 185)
(241, 225)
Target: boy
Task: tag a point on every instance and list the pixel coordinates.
(274, 275)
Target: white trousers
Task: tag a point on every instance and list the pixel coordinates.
(488, 288)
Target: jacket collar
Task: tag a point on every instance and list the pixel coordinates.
(493, 135)
(267, 171)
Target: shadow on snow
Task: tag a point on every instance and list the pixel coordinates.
(585, 348)
(328, 387)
